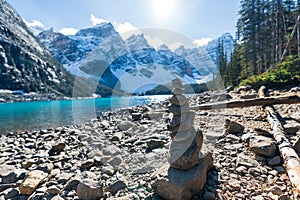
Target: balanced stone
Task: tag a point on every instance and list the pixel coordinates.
(177, 119)
(186, 175)
(180, 184)
(177, 83)
(184, 150)
(178, 91)
(178, 110)
(184, 126)
(179, 99)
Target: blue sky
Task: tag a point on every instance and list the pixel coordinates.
(195, 19)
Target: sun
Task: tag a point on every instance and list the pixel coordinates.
(163, 8)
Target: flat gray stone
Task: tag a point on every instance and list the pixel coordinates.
(263, 146)
(233, 127)
(153, 115)
(182, 184)
(184, 149)
(125, 125)
(179, 100)
(178, 110)
(154, 143)
(116, 186)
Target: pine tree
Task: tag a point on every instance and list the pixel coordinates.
(264, 31)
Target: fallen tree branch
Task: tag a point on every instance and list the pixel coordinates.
(288, 154)
(262, 101)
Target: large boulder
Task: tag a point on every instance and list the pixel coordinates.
(177, 184)
(263, 145)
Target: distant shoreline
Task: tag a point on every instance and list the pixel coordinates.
(37, 115)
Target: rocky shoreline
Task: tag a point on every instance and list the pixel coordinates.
(119, 154)
(10, 96)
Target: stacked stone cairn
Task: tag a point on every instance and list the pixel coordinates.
(186, 175)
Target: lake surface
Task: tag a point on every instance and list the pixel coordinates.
(22, 116)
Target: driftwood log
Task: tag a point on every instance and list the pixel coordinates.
(262, 101)
(288, 154)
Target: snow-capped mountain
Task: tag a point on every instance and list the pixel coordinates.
(71, 49)
(25, 64)
(228, 43)
(131, 65)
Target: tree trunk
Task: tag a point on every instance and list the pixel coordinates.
(288, 154)
(249, 102)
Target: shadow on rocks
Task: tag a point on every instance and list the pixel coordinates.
(209, 192)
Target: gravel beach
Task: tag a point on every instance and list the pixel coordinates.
(119, 154)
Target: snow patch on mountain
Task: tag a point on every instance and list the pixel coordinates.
(68, 31)
(35, 26)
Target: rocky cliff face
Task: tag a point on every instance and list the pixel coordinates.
(25, 64)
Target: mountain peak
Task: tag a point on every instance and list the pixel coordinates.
(103, 29)
(164, 47)
(136, 42)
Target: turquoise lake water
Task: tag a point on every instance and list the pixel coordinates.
(22, 116)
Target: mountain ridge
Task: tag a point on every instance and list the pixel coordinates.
(24, 62)
(110, 50)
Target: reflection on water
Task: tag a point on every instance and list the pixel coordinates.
(36, 115)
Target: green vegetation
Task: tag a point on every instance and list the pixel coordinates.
(287, 72)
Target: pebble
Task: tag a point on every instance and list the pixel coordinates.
(235, 185)
(276, 190)
(275, 161)
(87, 164)
(53, 190)
(108, 169)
